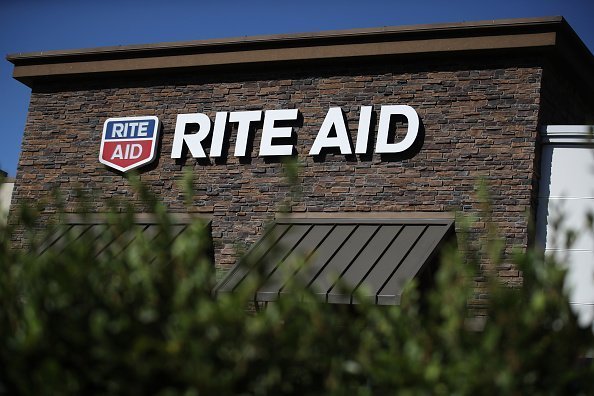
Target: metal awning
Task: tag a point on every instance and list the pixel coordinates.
(336, 258)
(111, 234)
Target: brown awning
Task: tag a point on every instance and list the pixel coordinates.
(338, 258)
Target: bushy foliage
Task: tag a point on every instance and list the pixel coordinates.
(140, 318)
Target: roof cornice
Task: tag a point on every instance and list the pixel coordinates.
(549, 33)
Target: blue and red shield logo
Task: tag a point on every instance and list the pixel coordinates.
(129, 142)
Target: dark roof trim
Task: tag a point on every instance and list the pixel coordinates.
(439, 38)
(286, 38)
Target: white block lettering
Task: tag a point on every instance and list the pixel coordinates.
(334, 118)
(363, 131)
(381, 145)
(117, 153)
(117, 130)
(244, 118)
(269, 132)
(134, 151)
(143, 129)
(193, 141)
(218, 134)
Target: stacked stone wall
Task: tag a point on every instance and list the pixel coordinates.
(479, 118)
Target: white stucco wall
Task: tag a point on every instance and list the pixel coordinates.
(566, 197)
(5, 197)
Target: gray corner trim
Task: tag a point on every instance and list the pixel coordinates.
(567, 134)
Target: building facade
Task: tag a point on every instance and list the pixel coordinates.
(483, 93)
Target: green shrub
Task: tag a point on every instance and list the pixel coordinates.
(140, 318)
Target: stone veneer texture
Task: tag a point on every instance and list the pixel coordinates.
(480, 120)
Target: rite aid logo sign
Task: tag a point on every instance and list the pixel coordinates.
(129, 142)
